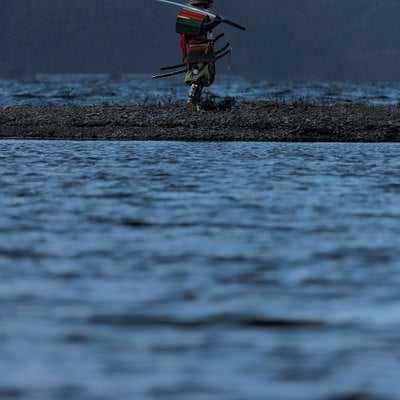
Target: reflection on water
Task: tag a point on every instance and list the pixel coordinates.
(199, 271)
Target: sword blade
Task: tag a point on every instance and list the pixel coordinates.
(203, 12)
(187, 7)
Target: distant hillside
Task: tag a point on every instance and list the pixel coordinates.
(286, 39)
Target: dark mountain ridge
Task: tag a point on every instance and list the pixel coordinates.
(285, 40)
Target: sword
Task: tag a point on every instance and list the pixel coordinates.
(217, 53)
(166, 75)
(203, 12)
(222, 53)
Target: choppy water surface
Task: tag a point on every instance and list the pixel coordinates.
(139, 89)
(199, 271)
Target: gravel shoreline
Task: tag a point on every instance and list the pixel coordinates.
(297, 122)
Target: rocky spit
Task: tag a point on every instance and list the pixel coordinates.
(225, 121)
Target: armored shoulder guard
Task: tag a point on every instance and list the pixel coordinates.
(189, 22)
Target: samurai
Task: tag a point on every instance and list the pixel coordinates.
(195, 24)
(197, 47)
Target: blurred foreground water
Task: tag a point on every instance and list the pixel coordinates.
(139, 89)
(154, 270)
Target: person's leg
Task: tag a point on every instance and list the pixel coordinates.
(198, 77)
(194, 94)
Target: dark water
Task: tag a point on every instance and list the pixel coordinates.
(139, 89)
(224, 271)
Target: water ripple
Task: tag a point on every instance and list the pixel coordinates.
(137, 89)
(199, 270)
(234, 321)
